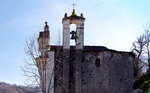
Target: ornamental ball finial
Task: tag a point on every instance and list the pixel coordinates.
(46, 23)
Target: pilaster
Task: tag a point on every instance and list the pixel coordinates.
(78, 71)
(66, 55)
(66, 59)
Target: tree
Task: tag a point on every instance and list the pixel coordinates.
(138, 47)
(32, 67)
(39, 65)
(141, 48)
(147, 46)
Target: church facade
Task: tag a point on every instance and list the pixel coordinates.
(82, 69)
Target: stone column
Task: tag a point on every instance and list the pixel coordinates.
(80, 36)
(50, 72)
(78, 71)
(79, 58)
(66, 56)
(66, 36)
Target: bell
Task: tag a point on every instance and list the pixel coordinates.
(72, 34)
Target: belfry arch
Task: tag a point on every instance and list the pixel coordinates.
(79, 33)
(78, 37)
(73, 28)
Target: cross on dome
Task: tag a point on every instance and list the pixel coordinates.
(73, 5)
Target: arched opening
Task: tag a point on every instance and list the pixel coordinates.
(72, 28)
(97, 62)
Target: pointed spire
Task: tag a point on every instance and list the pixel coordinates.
(65, 16)
(46, 27)
(81, 15)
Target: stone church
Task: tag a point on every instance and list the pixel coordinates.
(83, 69)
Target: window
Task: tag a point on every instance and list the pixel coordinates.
(97, 62)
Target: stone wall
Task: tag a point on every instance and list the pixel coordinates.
(103, 71)
(114, 74)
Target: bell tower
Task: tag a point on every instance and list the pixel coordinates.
(79, 33)
(45, 61)
(44, 39)
(78, 37)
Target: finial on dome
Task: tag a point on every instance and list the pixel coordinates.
(73, 13)
(81, 15)
(65, 15)
(46, 27)
(46, 23)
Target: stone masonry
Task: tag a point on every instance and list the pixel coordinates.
(85, 69)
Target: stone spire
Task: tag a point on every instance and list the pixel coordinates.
(44, 38)
(46, 27)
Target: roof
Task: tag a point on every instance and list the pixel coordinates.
(92, 49)
(74, 16)
(86, 48)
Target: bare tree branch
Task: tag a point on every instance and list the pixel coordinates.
(141, 48)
